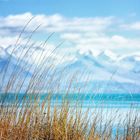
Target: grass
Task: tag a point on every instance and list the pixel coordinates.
(30, 119)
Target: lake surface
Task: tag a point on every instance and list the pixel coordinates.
(114, 107)
(87, 100)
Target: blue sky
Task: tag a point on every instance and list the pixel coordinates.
(71, 8)
(94, 25)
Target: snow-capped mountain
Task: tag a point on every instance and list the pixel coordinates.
(11, 65)
(106, 71)
(11, 60)
(107, 56)
(131, 62)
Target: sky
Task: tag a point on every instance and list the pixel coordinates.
(70, 8)
(84, 25)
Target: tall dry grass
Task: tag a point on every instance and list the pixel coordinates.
(33, 119)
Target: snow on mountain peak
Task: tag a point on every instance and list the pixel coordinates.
(107, 55)
(130, 58)
(88, 52)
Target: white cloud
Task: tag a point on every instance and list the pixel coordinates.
(15, 20)
(89, 33)
(81, 24)
(6, 41)
(56, 23)
(119, 39)
(100, 42)
(132, 26)
(71, 36)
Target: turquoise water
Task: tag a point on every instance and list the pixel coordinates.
(87, 100)
(114, 107)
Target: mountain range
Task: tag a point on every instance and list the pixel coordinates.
(105, 72)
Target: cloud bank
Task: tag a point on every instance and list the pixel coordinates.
(88, 33)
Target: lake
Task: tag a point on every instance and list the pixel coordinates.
(87, 100)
